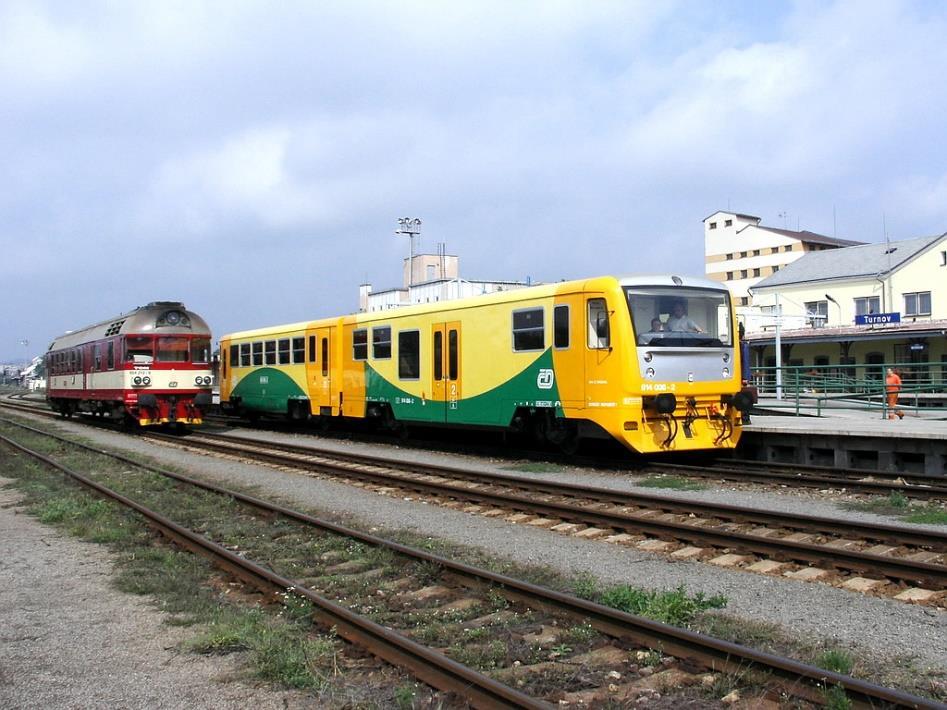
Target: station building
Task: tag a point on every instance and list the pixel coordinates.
(429, 278)
(863, 305)
(740, 251)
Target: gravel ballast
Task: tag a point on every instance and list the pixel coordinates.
(877, 627)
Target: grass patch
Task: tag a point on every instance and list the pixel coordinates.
(534, 467)
(670, 482)
(673, 606)
(897, 504)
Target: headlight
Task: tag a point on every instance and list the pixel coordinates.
(137, 380)
(207, 381)
(648, 357)
(726, 357)
(146, 381)
(726, 373)
(650, 372)
(198, 380)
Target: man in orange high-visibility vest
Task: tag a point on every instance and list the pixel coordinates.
(893, 389)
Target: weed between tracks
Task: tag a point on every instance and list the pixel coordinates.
(488, 633)
(671, 483)
(899, 505)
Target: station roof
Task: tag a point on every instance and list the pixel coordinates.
(866, 260)
(918, 329)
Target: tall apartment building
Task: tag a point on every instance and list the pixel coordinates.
(739, 251)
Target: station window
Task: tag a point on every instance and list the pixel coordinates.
(774, 250)
(743, 273)
(529, 330)
(787, 247)
(381, 343)
(312, 348)
(728, 223)
(282, 351)
(817, 313)
(269, 350)
(917, 304)
(713, 225)
(257, 354)
(234, 356)
(729, 276)
(742, 254)
(599, 337)
(867, 304)
(409, 355)
(756, 252)
(299, 350)
(360, 344)
(756, 272)
(560, 327)
(729, 257)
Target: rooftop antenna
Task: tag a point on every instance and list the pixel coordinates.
(412, 227)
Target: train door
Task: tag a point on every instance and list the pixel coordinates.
(569, 351)
(598, 338)
(324, 395)
(445, 371)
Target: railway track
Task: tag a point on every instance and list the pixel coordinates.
(624, 633)
(911, 485)
(897, 561)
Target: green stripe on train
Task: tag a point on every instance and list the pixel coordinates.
(267, 390)
(534, 386)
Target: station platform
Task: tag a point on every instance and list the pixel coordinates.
(849, 438)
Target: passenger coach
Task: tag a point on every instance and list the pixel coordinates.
(150, 366)
(649, 361)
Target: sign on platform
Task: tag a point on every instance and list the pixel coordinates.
(878, 318)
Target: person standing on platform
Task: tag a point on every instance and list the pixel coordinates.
(893, 389)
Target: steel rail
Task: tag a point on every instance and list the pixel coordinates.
(424, 663)
(914, 485)
(872, 531)
(925, 573)
(833, 471)
(809, 480)
(800, 679)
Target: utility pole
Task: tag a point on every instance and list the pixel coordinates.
(412, 227)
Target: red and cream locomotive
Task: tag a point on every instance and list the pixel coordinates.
(150, 366)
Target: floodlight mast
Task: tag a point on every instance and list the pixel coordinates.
(412, 227)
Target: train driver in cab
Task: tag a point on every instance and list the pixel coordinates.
(679, 321)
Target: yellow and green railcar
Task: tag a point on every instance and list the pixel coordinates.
(649, 361)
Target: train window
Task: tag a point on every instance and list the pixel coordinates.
(452, 354)
(409, 355)
(172, 349)
(245, 358)
(689, 317)
(438, 355)
(312, 348)
(200, 350)
(139, 349)
(381, 343)
(599, 336)
(257, 354)
(98, 358)
(560, 327)
(235, 356)
(325, 357)
(283, 351)
(299, 350)
(110, 360)
(360, 344)
(529, 329)
(269, 350)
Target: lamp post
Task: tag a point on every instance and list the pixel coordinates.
(412, 227)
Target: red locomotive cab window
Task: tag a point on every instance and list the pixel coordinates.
(171, 349)
(200, 350)
(139, 349)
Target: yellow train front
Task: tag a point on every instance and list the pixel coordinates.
(649, 361)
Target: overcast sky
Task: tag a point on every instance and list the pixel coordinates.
(251, 159)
